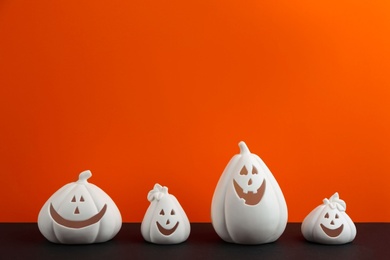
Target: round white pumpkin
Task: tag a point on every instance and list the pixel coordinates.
(329, 223)
(248, 206)
(79, 213)
(165, 221)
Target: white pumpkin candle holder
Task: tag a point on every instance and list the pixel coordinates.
(79, 213)
(165, 221)
(329, 223)
(248, 206)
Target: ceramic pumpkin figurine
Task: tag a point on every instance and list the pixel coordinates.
(165, 221)
(328, 223)
(79, 213)
(248, 206)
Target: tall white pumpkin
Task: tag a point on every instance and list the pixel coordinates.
(248, 206)
(79, 213)
(329, 223)
(165, 221)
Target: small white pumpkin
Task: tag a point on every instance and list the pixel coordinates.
(248, 206)
(79, 213)
(329, 223)
(165, 221)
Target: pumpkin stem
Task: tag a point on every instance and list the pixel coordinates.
(84, 176)
(243, 148)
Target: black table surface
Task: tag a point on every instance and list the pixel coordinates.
(24, 241)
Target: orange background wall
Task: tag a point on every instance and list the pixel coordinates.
(142, 91)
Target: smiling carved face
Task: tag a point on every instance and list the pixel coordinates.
(79, 213)
(331, 222)
(249, 185)
(167, 221)
(78, 210)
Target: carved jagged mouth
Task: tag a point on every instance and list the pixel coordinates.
(77, 223)
(332, 232)
(165, 231)
(250, 198)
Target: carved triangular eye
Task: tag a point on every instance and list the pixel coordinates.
(73, 199)
(244, 171)
(82, 199)
(254, 170)
(326, 215)
(337, 215)
(162, 212)
(172, 212)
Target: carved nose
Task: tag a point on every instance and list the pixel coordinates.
(76, 211)
(250, 181)
(168, 222)
(332, 223)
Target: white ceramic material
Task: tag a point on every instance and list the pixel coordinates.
(248, 206)
(79, 213)
(328, 223)
(165, 221)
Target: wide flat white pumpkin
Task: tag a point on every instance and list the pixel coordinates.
(329, 223)
(79, 213)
